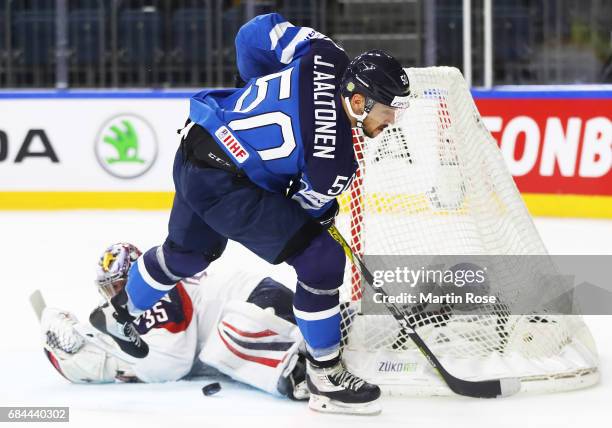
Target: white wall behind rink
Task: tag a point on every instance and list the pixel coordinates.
(73, 127)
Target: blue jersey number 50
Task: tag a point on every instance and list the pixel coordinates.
(266, 119)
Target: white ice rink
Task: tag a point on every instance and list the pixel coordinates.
(57, 251)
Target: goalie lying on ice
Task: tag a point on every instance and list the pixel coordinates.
(241, 325)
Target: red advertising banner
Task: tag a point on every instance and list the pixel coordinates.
(554, 145)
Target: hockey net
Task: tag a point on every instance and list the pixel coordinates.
(436, 183)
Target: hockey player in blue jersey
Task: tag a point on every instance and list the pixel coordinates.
(262, 165)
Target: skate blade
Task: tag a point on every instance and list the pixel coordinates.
(323, 404)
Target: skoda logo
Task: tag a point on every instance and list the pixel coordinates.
(126, 146)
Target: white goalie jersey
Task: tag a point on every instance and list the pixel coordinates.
(239, 324)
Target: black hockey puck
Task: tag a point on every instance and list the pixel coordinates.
(211, 388)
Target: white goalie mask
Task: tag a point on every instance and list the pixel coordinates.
(113, 266)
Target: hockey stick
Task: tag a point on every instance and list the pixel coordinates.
(479, 389)
(38, 303)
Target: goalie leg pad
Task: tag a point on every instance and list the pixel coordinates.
(252, 345)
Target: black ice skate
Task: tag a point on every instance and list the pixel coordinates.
(115, 321)
(333, 389)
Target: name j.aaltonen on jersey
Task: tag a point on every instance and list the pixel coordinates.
(325, 108)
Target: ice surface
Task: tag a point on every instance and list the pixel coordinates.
(56, 252)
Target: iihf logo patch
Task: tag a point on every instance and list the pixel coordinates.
(232, 145)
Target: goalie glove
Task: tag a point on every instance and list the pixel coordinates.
(59, 333)
(79, 353)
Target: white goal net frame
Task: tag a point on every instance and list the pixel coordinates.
(436, 183)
